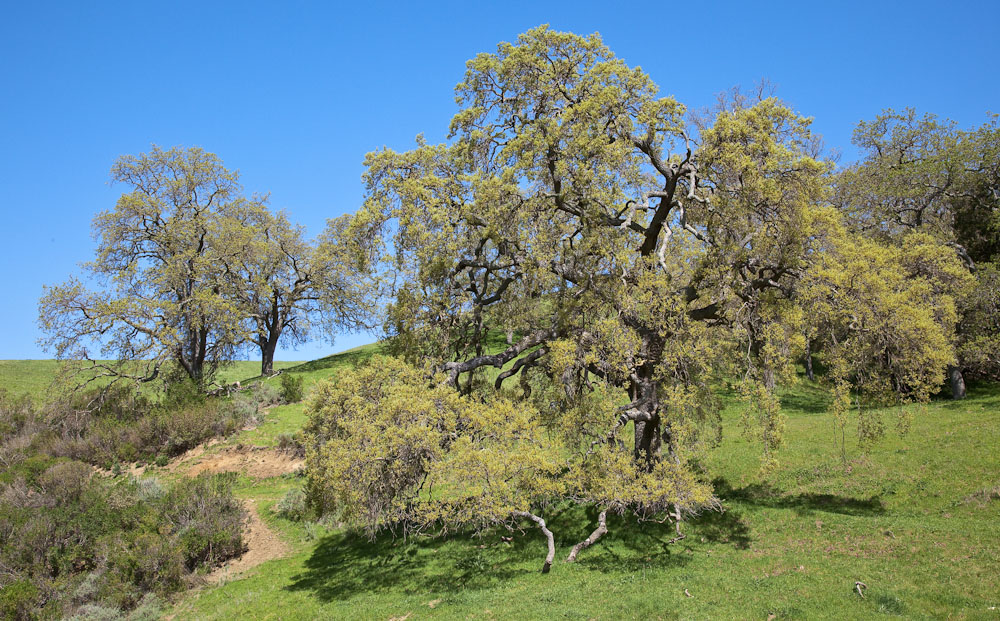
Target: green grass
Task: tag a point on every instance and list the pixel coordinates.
(905, 520)
(287, 419)
(35, 377)
(910, 520)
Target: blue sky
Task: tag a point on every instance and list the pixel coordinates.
(293, 94)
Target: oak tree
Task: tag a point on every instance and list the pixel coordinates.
(925, 174)
(154, 292)
(286, 287)
(632, 259)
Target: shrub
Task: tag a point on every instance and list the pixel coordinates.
(65, 481)
(187, 428)
(243, 410)
(179, 391)
(205, 519)
(266, 394)
(292, 505)
(147, 562)
(291, 388)
(17, 600)
(149, 489)
(15, 412)
(290, 443)
(97, 612)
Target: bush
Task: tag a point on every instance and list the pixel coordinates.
(290, 443)
(292, 505)
(72, 542)
(66, 481)
(146, 563)
(291, 388)
(15, 412)
(149, 488)
(205, 519)
(180, 391)
(17, 600)
(266, 394)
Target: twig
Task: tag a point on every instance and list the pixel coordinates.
(859, 587)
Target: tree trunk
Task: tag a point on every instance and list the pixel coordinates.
(268, 346)
(957, 381)
(809, 361)
(266, 360)
(647, 441)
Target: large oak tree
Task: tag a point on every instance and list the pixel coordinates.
(633, 260)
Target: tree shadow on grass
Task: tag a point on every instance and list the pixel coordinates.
(344, 565)
(632, 546)
(350, 358)
(764, 495)
(727, 527)
(806, 398)
(629, 546)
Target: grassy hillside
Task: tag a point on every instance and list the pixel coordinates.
(35, 376)
(918, 521)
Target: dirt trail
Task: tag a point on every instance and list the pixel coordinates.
(263, 544)
(253, 461)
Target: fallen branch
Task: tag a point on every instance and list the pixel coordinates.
(859, 587)
(599, 532)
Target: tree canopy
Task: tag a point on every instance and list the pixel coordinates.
(634, 260)
(924, 174)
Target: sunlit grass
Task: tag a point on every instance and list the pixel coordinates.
(904, 519)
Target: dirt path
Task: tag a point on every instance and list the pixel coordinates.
(263, 544)
(255, 462)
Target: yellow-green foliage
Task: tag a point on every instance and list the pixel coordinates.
(886, 316)
(631, 260)
(386, 448)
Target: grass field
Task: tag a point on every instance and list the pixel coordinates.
(35, 377)
(917, 520)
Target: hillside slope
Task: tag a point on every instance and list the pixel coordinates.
(917, 521)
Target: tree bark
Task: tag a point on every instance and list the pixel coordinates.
(647, 441)
(548, 536)
(267, 348)
(957, 381)
(809, 361)
(266, 360)
(599, 532)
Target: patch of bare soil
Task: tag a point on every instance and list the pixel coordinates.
(263, 544)
(253, 461)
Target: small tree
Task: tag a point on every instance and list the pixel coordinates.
(389, 452)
